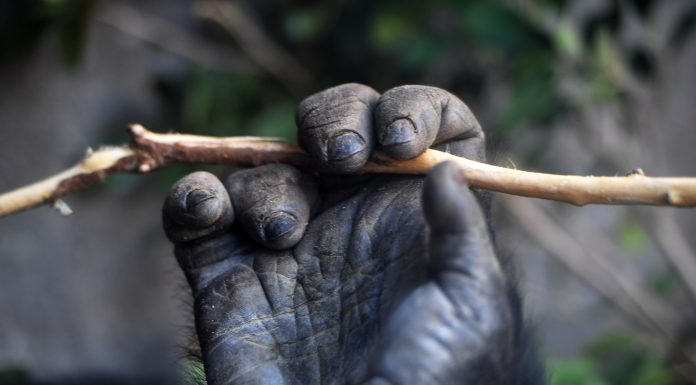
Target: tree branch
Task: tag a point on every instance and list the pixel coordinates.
(149, 151)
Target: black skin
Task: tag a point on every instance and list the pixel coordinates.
(331, 278)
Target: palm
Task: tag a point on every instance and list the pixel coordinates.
(318, 306)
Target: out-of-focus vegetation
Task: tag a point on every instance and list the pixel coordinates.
(615, 359)
(521, 65)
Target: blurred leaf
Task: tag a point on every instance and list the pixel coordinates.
(623, 360)
(606, 54)
(421, 53)
(606, 69)
(609, 343)
(193, 373)
(216, 103)
(605, 21)
(275, 120)
(305, 24)
(663, 283)
(199, 100)
(578, 371)
(73, 29)
(390, 29)
(567, 40)
(633, 236)
(498, 26)
(533, 98)
(13, 375)
(52, 7)
(652, 372)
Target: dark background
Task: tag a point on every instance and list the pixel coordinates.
(589, 87)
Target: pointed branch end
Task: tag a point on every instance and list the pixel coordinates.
(137, 130)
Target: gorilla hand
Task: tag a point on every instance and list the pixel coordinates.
(349, 279)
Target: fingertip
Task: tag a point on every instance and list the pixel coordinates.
(400, 139)
(346, 152)
(448, 204)
(273, 203)
(197, 205)
(281, 230)
(335, 127)
(406, 122)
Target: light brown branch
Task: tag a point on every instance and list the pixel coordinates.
(150, 150)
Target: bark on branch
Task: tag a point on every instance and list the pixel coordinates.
(149, 151)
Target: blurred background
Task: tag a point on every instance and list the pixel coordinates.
(593, 87)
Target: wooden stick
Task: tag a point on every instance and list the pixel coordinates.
(149, 151)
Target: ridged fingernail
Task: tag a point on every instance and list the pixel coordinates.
(278, 225)
(344, 145)
(201, 209)
(196, 197)
(399, 131)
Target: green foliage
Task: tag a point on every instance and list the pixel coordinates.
(532, 99)
(275, 119)
(633, 236)
(616, 359)
(579, 371)
(12, 375)
(72, 29)
(664, 283)
(306, 24)
(193, 373)
(623, 360)
(24, 23)
(496, 25)
(607, 68)
(567, 41)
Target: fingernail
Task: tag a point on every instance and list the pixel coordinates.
(196, 197)
(278, 225)
(201, 209)
(344, 145)
(398, 132)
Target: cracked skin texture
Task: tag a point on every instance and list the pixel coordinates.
(333, 278)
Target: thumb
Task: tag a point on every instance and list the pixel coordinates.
(461, 252)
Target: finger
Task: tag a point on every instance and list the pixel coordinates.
(197, 206)
(461, 252)
(410, 119)
(273, 203)
(228, 292)
(335, 127)
(233, 322)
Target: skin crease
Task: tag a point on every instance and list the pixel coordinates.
(333, 278)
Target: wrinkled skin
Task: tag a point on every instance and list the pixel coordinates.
(329, 278)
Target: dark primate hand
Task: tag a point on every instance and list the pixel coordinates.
(345, 279)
